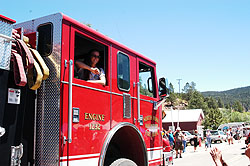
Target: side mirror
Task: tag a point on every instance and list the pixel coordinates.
(150, 86)
(162, 87)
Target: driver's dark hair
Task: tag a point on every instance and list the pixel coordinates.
(92, 50)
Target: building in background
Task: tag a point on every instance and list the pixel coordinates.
(187, 120)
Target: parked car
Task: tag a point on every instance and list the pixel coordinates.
(218, 136)
(189, 137)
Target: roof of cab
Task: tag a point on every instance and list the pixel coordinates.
(76, 23)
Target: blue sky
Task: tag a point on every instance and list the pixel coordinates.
(204, 41)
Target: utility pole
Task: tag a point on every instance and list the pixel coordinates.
(179, 82)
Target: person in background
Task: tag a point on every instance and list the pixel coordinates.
(206, 144)
(171, 138)
(208, 138)
(238, 134)
(229, 135)
(184, 142)
(178, 141)
(196, 143)
(231, 132)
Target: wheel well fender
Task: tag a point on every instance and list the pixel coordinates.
(124, 141)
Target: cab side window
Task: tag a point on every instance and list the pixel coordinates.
(123, 71)
(85, 49)
(45, 39)
(146, 79)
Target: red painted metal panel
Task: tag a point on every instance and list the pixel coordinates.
(4, 18)
(106, 101)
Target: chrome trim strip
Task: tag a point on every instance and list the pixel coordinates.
(87, 87)
(100, 90)
(114, 93)
(150, 101)
(110, 136)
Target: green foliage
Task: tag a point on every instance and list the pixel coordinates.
(228, 106)
(212, 104)
(220, 103)
(239, 117)
(172, 97)
(213, 119)
(196, 101)
(229, 97)
(188, 90)
(235, 117)
(144, 90)
(171, 88)
(238, 106)
(226, 113)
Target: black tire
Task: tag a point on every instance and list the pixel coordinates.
(123, 162)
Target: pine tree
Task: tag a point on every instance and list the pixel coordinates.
(220, 103)
(196, 101)
(238, 106)
(213, 119)
(211, 102)
(171, 88)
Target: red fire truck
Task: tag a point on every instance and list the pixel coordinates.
(68, 121)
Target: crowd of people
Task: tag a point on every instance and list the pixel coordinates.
(177, 140)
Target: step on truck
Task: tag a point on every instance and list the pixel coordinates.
(50, 116)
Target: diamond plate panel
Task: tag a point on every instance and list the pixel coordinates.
(5, 46)
(126, 105)
(48, 100)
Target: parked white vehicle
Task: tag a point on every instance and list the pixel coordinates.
(188, 136)
(218, 136)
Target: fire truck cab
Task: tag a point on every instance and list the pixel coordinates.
(71, 121)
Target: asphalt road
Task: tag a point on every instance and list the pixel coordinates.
(232, 154)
